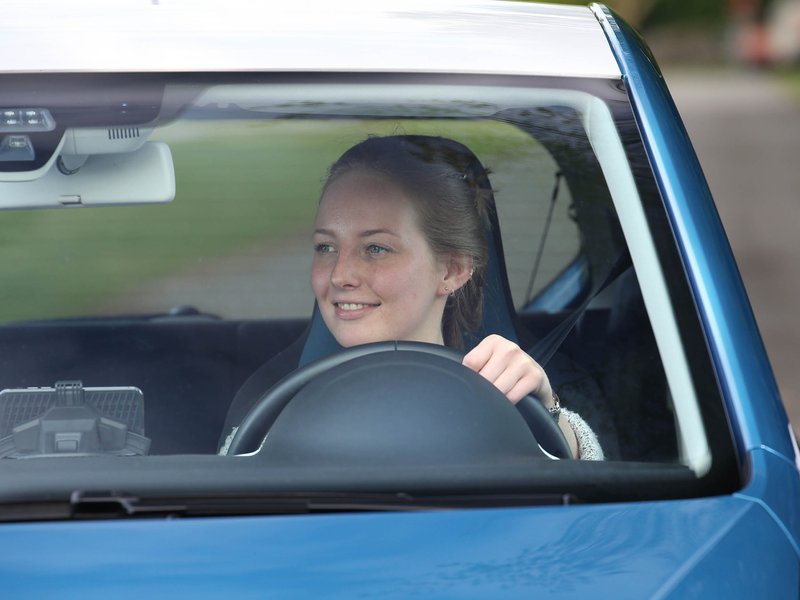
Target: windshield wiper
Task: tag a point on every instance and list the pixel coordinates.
(118, 505)
(89, 505)
(110, 505)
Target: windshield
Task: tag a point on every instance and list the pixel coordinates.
(159, 239)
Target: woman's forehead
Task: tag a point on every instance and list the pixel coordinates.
(365, 197)
(365, 180)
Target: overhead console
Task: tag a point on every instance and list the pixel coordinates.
(36, 110)
(81, 139)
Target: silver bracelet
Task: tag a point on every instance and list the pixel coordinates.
(555, 410)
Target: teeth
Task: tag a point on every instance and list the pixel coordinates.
(348, 306)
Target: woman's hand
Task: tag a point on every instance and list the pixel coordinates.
(510, 369)
(516, 374)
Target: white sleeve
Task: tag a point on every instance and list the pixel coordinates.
(588, 445)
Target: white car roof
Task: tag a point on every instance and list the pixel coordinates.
(430, 36)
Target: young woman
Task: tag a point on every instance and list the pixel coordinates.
(400, 252)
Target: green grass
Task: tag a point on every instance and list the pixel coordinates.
(238, 184)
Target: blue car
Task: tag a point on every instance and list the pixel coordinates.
(178, 416)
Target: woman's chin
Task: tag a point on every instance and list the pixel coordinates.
(350, 338)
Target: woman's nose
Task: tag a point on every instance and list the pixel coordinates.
(345, 271)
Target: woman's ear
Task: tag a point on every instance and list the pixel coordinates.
(459, 270)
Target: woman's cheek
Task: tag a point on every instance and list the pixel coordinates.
(319, 279)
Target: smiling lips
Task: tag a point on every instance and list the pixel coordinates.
(352, 310)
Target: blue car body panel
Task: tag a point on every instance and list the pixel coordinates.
(676, 549)
(775, 485)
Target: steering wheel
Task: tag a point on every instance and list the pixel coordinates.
(354, 375)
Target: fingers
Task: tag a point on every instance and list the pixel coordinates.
(512, 372)
(509, 368)
(480, 354)
(523, 387)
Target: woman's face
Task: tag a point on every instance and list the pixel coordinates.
(374, 274)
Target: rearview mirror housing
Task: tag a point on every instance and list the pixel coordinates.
(142, 176)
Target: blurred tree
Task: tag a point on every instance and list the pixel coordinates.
(696, 12)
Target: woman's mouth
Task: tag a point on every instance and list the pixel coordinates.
(351, 305)
(352, 310)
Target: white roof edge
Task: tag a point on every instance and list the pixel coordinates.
(430, 36)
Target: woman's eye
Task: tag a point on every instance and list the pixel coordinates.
(375, 249)
(323, 248)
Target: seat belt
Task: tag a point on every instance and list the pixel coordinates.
(544, 349)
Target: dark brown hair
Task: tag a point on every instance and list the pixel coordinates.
(451, 193)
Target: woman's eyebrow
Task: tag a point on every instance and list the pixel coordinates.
(363, 234)
(370, 232)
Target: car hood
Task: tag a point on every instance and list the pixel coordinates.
(656, 549)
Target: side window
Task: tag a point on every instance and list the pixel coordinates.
(539, 237)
